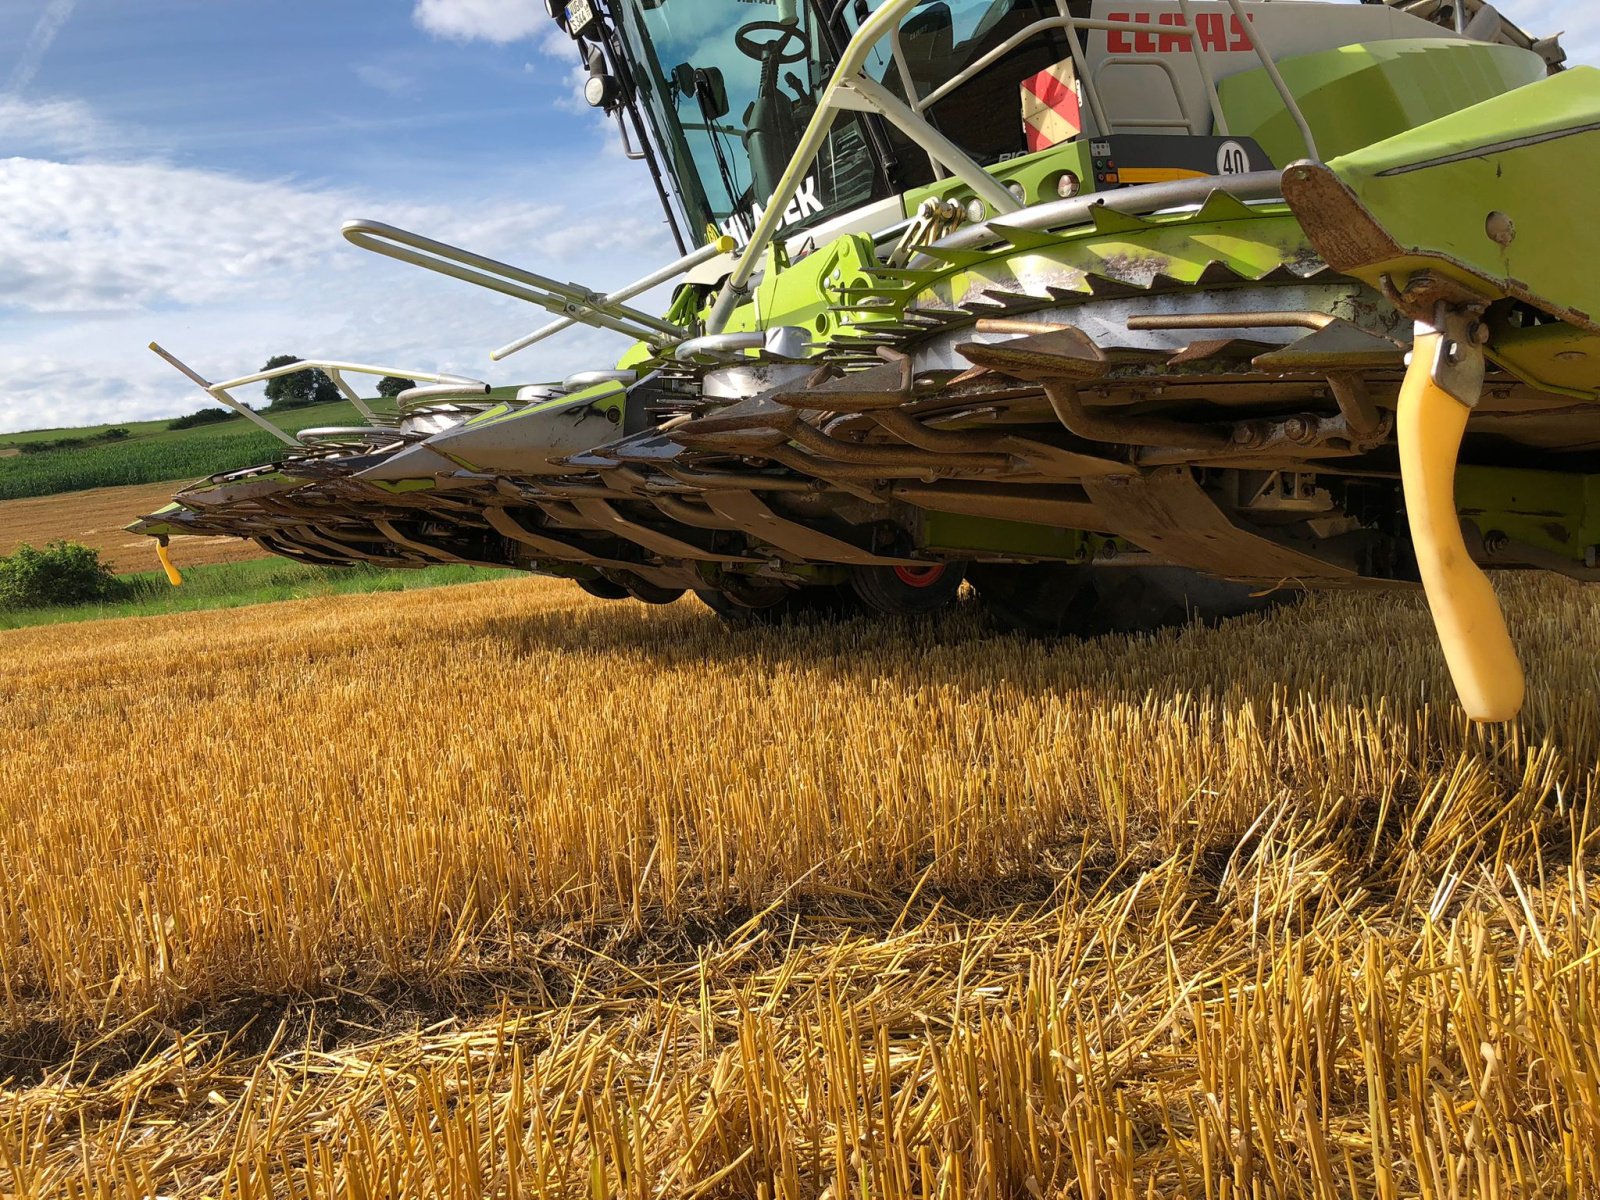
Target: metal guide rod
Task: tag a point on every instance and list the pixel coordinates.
(872, 31)
(723, 245)
(350, 394)
(850, 88)
(871, 96)
(220, 392)
(443, 391)
(563, 299)
(222, 397)
(1289, 102)
(1218, 117)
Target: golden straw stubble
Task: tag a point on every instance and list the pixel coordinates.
(505, 891)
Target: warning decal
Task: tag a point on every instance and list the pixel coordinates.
(1052, 106)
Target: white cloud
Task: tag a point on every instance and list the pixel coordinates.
(54, 16)
(65, 128)
(96, 260)
(483, 20)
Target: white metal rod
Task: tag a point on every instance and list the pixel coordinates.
(1273, 74)
(897, 51)
(545, 300)
(905, 119)
(218, 393)
(350, 394)
(855, 54)
(328, 364)
(1097, 108)
(1218, 117)
(551, 294)
(442, 391)
(688, 262)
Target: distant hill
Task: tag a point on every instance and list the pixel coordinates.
(152, 452)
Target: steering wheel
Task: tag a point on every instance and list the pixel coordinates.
(776, 49)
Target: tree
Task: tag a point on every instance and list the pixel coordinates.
(303, 388)
(391, 386)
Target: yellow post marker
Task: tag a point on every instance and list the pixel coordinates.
(174, 576)
(1472, 627)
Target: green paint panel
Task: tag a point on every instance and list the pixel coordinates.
(1547, 509)
(1358, 95)
(1559, 357)
(953, 531)
(1533, 157)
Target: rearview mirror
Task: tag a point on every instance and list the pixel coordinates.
(704, 84)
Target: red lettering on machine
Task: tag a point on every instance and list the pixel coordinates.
(1216, 34)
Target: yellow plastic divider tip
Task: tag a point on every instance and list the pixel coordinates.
(726, 244)
(174, 576)
(1472, 627)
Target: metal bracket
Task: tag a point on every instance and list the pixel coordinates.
(1459, 365)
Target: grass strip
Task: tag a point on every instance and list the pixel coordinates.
(236, 585)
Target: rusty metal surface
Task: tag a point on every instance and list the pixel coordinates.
(604, 516)
(803, 541)
(1168, 513)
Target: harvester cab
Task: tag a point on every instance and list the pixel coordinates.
(1120, 311)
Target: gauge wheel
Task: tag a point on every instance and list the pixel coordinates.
(908, 591)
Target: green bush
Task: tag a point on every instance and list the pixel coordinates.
(205, 416)
(50, 445)
(62, 573)
(54, 444)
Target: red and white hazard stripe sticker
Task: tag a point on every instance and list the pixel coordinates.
(1052, 109)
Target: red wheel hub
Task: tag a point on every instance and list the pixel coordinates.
(920, 577)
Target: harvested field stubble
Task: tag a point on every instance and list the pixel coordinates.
(99, 518)
(503, 891)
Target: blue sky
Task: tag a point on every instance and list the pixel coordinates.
(178, 169)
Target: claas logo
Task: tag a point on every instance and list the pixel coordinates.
(1216, 32)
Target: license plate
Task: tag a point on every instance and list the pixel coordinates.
(580, 15)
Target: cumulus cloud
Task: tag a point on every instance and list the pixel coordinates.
(98, 259)
(498, 21)
(85, 237)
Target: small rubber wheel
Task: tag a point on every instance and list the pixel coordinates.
(603, 589)
(908, 591)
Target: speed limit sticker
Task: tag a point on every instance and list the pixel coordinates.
(1232, 159)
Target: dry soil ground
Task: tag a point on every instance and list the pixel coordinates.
(98, 518)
